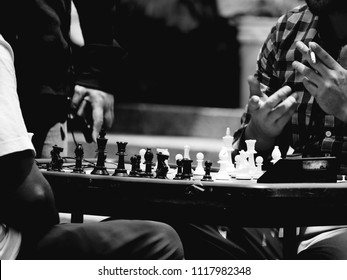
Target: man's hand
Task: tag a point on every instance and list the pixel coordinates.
(269, 115)
(326, 81)
(102, 104)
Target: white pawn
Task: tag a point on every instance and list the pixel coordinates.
(142, 163)
(276, 154)
(199, 170)
(222, 174)
(237, 166)
(178, 157)
(259, 163)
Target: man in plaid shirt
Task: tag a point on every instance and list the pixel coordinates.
(298, 99)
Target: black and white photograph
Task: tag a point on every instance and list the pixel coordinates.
(209, 134)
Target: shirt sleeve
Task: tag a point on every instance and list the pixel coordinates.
(13, 133)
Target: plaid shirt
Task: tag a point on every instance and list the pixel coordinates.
(311, 131)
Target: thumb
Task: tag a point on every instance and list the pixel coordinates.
(253, 104)
(78, 96)
(254, 86)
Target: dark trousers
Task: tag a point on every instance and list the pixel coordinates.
(333, 247)
(111, 239)
(205, 242)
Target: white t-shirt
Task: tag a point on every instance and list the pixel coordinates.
(13, 136)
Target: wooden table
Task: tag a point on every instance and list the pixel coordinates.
(237, 202)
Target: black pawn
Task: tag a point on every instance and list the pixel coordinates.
(120, 170)
(100, 168)
(187, 173)
(56, 163)
(134, 165)
(79, 153)
(148, 162)
(207, 176)
(162, 168)
(178, 175)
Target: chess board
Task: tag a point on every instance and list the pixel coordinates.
(221, 202)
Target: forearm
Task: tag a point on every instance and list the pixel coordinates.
(28, 202)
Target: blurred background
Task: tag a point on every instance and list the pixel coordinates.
(185, 75)
(192, 52)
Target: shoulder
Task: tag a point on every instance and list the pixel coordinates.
(296, 19)
(295, 25)
(5, 47)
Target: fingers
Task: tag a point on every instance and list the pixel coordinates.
(307, 72)
(302, 48)
(278, 97)
(289, 110)
(108, 117)
(311, 87)
(323, 56)
(283, 112)
(254, 86)
(320, 61)
(78, 96)
(82, 107)
(98, 118)
(253, 104)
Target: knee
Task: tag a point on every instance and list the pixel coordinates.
(168, 242)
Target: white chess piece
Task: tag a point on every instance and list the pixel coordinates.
(177, 157)
(237, 166)
(199, 170)
(228, 145)
(259, 163)
(243, 169)
(142, 164)
(222, 174)
(186, 152)
(276, 154)
(243, 160)
(167, 153)
(251, 151)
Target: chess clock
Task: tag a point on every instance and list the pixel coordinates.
(302, 170)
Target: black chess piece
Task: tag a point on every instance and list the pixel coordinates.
(138, 164)
(207, 176)
(148, 162)
(134, 166)
(100, 168)
(120, 170)
(187, 173)
(162, 168)
(79, 153)
(56, 163)
(178, 175)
